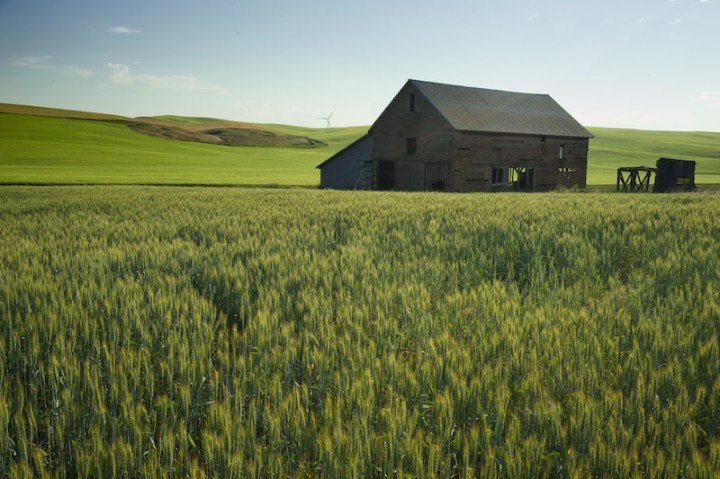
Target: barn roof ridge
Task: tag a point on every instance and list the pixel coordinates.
(451, 85)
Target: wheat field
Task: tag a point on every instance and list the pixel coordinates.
(222, 332)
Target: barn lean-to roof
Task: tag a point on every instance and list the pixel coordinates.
(496, 111)
(339, 153)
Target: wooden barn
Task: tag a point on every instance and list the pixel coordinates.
(441, 137)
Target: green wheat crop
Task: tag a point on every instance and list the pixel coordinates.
(195, 332)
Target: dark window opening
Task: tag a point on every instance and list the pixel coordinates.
(566, 177)
(412, 102)
(499, 178)
(410, 145)
(542, 139)
(385, 175)
(683, 182)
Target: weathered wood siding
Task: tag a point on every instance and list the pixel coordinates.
(414, 170)
(476, 154)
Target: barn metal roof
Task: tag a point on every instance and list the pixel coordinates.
(496, 111)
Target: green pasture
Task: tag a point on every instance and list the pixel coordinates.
(53, 146)
(36, 149)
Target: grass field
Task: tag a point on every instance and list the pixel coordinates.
(47, 149)
(208, 332)
(57, 146)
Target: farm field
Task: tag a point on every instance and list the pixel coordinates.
(229, 332)
(45, 146)
(80, 150)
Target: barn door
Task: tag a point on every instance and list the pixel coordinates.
(385, 175)
(436, 176)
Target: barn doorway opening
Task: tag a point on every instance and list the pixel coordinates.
(385, 175)
(435, 177)
(522, 179)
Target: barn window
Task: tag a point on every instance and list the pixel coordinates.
(561, 153)
(412, 102)
(566, 177)
(410, 145)
(499, 176)
(543, 139)
(682, 183)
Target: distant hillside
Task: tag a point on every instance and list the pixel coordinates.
(219, 132)
(202, 130)
(56, 113)
(43, 145)
(48, 146)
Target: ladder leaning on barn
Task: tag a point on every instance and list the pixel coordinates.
(366, 178)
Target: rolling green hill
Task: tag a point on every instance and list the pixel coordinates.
(42, 145)
(56, 146)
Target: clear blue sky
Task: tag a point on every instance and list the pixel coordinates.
(650, 64)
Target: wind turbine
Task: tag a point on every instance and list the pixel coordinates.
(327, 118)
